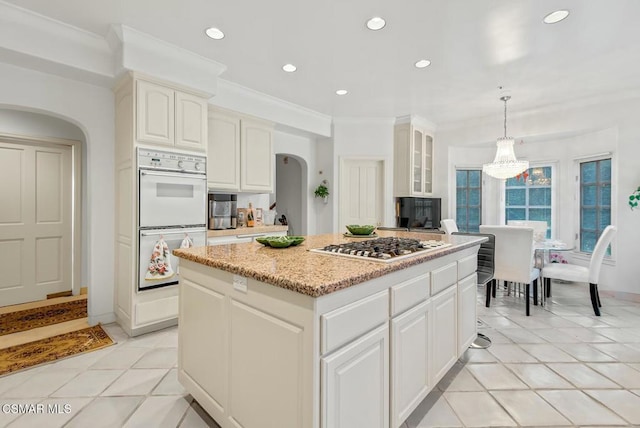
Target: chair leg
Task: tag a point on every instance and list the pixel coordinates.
(488, 287)
(598, 297)
(494, 285)
(593, 290)
(547, 286)
(535, 291)
(527, 288)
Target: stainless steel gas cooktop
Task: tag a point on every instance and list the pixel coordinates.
(382, 249)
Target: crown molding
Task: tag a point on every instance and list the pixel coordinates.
(138, 51)
(416, 120)
(37, 42)
(248, 101)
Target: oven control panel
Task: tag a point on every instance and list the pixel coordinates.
(172, 161)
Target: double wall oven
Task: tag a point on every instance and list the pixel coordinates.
(172, 211)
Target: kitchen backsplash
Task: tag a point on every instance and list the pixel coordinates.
(259, 200)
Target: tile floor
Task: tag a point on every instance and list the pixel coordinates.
(560, 367)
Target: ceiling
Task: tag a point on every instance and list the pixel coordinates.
(474, 46)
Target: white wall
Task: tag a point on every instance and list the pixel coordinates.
(563, 135)
(363, 139)
(324, 171)
(91, 108)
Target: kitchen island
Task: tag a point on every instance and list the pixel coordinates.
(293, 338)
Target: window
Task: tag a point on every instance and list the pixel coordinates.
(595, 202)
(468, 199)
(528, 197)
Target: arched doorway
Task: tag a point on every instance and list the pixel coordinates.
(40, 220)
(291, 185)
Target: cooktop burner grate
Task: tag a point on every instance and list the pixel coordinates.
(382, 249)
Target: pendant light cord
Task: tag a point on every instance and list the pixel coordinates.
(505, 99)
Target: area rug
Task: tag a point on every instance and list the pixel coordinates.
(14, 322)
(53, 348)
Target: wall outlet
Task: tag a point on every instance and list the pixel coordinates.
(240, 283)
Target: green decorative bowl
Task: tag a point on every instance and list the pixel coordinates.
(297, 240)
(280, 242)
(263, 240)
(356, 229)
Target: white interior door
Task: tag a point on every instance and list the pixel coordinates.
(35, 221)
(361, 192)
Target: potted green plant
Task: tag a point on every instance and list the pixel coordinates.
(634, 198)
(322, 191)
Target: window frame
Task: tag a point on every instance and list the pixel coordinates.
(467, 187)
(554, 191)
(578, 198)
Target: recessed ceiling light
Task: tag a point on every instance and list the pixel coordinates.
(376, 23)
(289, 68)
(214, 33)
(423, 63)
(556, 16)
(342, 92)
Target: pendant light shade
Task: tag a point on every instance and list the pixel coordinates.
(505, 165)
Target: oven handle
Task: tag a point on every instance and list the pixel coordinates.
(172, 233)
(169, 174)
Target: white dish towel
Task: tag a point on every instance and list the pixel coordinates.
(160, 263)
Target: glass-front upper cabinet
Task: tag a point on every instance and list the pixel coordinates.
(413, 161)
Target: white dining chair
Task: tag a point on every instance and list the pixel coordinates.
(514, 258)
(449, 226)
(575, 273)
(539, 227)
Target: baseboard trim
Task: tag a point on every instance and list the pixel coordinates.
(102, 319)
(622, 295)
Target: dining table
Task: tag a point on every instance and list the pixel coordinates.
(543, 251)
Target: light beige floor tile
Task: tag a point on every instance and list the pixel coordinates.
(136, 382)
(623, 403)
(159, 412)
(478, 409)
(620, 373)
(42, 384)
(498, 322)
(58, 411)
(614, 321)
(553, 335)
(557, 321)
(636, 391)
(121, 358)
(581, 375)
(547, 353)
(622, 353)
(581, 409)
(495, 376)
(586, 335)
(511, 354)
(434, 411)
(88, 384)
(196, 417)
(521, 335)
(620, 335)
(105, 412)
(584, 352)
(149, 340)
(116, 332)
(495, 335)
(528, 409)
(459, 380)
(539, 376)
(160, 358)
(12, 380)
(528, 322)
(169, 385)
(169, 339)
(586, 321)
(477, 356)
(84, 361)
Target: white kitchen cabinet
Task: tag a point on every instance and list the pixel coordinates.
(169, 117)
(413, 160)
(410, 360)
(355, 383)
(467, 312)
(445, 344)
(240, 153)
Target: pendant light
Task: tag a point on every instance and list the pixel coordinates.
(505, 165)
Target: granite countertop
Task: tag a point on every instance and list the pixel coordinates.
(246, 231)
(313, 274)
